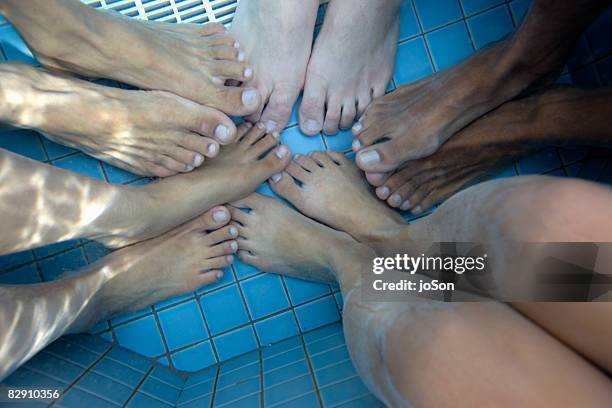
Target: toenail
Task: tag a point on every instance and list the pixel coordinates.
(198, 159)
(282, 151)
(356, 145)
(236, 44)
(357, 127)
(369, 157)
(219, 216)
(188, 168)
(241, 56)
(248, 125)
(276, 134)
(249, 97)
(248, 72)
(222, 134)
(405, 205)
(417, 210)
(212, 149)
(383, 192)
(395, 199)
(234, 246)
(270, 125)
(261, 126)
(230, 258)
(219, 275)
(277, 177)
(312, 125)
(233, 231)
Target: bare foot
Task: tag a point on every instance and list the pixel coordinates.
(177, 262)
(413, 121)
(277, 38)
(150, 133)
(352, 62)
(235, 173)
(557, 116)
(189, 60)
(275, 238)
(329, 188)
(472, 154)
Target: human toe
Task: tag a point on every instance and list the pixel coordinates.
(278, 110)
(284, 185)
(239, 71)
(215, 124)
(187, 157)
(311, 109)
(273, 162)
(263, 145)
(306, 162)
(221, 249)
(376, 179)
(380, 158)
(349, 112)
(225, 233)
(212, 219)
(331, 124)
(235, 100)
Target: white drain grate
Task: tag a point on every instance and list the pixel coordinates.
(172, 11)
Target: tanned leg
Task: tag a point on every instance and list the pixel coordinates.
(130, 279)
(41, 204)
(427, 353)
(189, 60)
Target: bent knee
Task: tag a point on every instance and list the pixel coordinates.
(549, 206)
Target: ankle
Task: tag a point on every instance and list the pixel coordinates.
(347, 259)
(389, 228)
(128, 214)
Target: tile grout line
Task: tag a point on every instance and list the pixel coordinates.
(163, 339)
(137, 387)
(214, 387)
(261, 377)
(86, 371)
(311, 371)
(212, 344)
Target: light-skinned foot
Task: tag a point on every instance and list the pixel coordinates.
(351, 63)
(150, 133)
(277, 38)
(235, 173)
(275, 238)
(177, 262)
(329, 187)
(189, 60)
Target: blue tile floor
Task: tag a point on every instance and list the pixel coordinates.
(195, 331)
(309, 370)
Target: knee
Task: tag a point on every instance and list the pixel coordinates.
(421, 349)
(547, 211)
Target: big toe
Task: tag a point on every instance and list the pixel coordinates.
(274, 162)
(237, 101)
(312, 107)
(278, 110)
(380, 158)
(212, 219)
